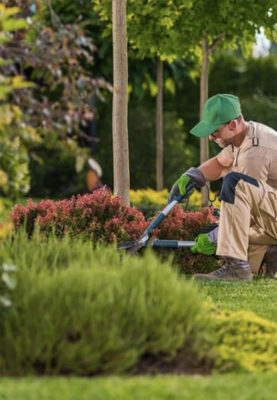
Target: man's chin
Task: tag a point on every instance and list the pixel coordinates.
(222, 144)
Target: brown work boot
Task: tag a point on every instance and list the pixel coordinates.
(270, 261)
(230, 270)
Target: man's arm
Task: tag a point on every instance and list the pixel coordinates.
(210, 170)
(216, 167)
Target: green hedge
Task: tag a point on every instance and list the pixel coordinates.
(96, 313)
(81, 310)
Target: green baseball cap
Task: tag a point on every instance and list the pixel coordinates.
(218, 110)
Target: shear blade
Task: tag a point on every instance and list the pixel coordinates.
(126, 245)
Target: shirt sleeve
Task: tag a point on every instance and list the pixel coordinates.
(226, 157)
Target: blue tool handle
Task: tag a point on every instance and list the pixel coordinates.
(173, 244)
(167, 209)
(162, 215)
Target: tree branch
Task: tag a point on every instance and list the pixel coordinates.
(54, 18)
(216, 42)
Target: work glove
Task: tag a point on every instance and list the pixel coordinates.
(186, 183)
(203, 245)
(206, 241)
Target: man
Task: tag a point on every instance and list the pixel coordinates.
(247, 232)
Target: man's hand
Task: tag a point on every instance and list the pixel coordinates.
(203, 245)
(185, 184)
(180, 187)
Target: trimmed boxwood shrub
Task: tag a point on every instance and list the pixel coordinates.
(99, 316)
(101, 217)
(78, 310)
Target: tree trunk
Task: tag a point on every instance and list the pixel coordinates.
(204, 142)
(159, 126)
(120, 102)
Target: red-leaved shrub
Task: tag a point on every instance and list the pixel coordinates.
(186, 225)
(101, 217)
(97, 216)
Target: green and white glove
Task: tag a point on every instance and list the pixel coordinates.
(192, 175)
(203, 245)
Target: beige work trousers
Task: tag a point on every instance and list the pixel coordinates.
(249, 225)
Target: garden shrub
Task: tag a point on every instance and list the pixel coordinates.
(153, 198)
(100, 217)
(186, 225)
(148, 201)
(99, 316)
(245, 342)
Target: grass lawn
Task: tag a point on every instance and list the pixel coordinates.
(224, 387)
(258, 296)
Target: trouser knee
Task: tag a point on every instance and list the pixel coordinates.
(229, 185)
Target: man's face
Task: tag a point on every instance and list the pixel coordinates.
(224, 135)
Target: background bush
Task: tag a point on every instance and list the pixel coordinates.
(109, 312)
(55, 172)
(149, 201)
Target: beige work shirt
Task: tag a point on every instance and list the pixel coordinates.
(257, 154)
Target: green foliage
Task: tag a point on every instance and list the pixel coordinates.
(261, 76)
(225, 73)
(245, 342)
(179, 154)
(14, 133)
(169, 29)
(253, 80)
(260, 108)
(58, 58)
(97, 312)
(54, 172)
(9, 23)
(14, 173)
(154, 29)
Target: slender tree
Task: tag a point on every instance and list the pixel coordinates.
(159, 126)
(151, 33)
(120, 102)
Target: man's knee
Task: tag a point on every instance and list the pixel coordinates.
(230, 182)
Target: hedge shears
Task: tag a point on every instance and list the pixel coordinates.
(134, 246)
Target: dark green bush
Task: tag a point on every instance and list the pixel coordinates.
(54, 174)
(96, 314)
